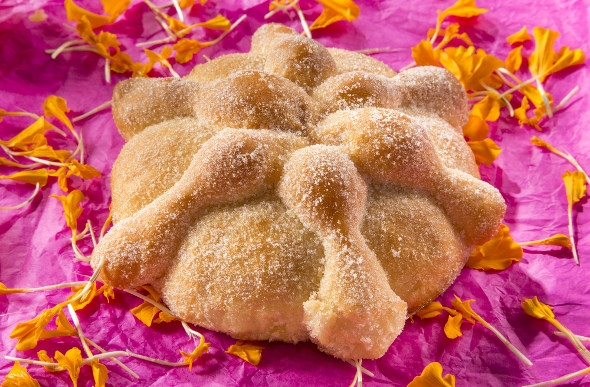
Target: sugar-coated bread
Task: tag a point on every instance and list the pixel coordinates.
(295, 192)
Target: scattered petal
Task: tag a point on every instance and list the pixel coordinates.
(55, 106)
(38, 16)
(189, 358)
(514, 59)
(485, 151)
(462, 8)
(31, 137)
(545, 61)
(430, 311)
(72, 362)
(476, 128)
(100, 373)
(519, 37)
(334, 11)
(497, 254)
(535, 308)
(29, 332)
(488, 108)
(453, 326)
(72, 209)
(575, 186)
(18, 376)
(432, 377)
(425, 55)
(561, 240)
(247, 351)
(186, 49)
(35, 176)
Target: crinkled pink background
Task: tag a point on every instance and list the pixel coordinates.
(35, 248)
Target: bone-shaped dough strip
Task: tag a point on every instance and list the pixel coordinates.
(231, 166)
(322, 186)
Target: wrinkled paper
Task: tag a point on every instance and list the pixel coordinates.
(35, 242)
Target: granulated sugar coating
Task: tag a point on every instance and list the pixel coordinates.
(296, 193)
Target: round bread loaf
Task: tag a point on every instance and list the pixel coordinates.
(295, 193)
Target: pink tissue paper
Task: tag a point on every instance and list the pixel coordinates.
(35, 245)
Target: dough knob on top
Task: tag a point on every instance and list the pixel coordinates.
(256, 100)
(141, 102)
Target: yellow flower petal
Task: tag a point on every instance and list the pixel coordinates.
(47, 152)
(107, 291)
(35, 176)
(72, 209)
(485, 151)
(535, 308)
(114, 8)
(498, 253)
(424, 54)
(72, 362)
(186, 49)
(189, 358)
(75, 13)
(55, 106)
(334, 11)
(453, 326)
(545, 60)
(575, 186)
(30, 137)
(462, 8)
(514, 59)
(521, 114)
(63, 328)
(164, 317)
(430, 311)
(100, 374)
(554, 240)
(178, 27)
(464, 307)
(247, 351)
(476, 128)
(473, 68)
(18, 376)
(5, 290)
(519, 37)
(29, 332)
(44, 357)
(432, 377)
(145, 312)
(219, 22)
(488, 108)
(81, 303)
(186, 3)
(38, 16)
(84, 171)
